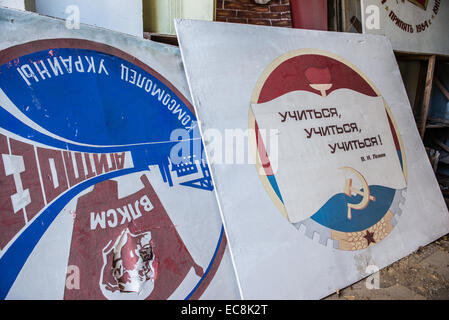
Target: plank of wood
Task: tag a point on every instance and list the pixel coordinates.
(437, 126)
(427, 94)
(163, 38)
(407, 55)
(356, 24)
(438, 120)
(419, 88)
(441, 144)
(411, 57)
(441, 87)
(346, 12)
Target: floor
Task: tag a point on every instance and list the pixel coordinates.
(423, 275)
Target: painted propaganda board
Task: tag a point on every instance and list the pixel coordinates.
(336, 183)
(417, 26)
(92, 204)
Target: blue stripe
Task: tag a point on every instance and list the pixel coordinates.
(12, 262)
(210, 265)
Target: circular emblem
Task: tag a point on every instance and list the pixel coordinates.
(332, 176)
(412, 16)
(86, 130)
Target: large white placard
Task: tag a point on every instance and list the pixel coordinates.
(345, 191)
(94, 205)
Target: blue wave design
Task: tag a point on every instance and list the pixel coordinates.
(334, 214)
(91, 109)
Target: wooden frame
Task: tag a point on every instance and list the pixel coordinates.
(427, 94)
(424, 87)
(441, 87)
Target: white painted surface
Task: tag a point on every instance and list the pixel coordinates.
(117, 15)
(38, 280)
(14, 4)
(424, 28)
(273, 259)
(300, 200)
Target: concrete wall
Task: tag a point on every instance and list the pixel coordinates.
(19, 4)
(117, 15)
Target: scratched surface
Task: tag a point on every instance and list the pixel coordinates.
(94, 206)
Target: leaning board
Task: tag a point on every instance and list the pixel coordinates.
(335, 183)
(93, 204)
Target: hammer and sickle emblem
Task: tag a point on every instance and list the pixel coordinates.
(350, 190)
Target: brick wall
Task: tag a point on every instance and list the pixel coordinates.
(275, 13)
